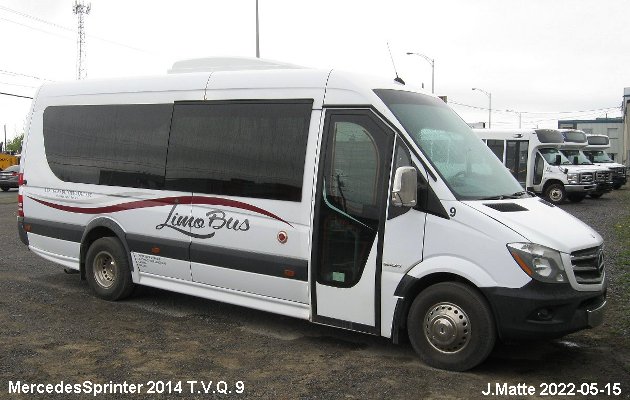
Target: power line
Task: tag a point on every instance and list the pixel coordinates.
(32, 27)
(16, 84)
(43, 21)
(25, 15)
(536, 112)
(11, 73)
(15, 95)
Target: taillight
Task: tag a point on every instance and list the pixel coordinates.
(14, 174)
(20, 205)
(20, 197)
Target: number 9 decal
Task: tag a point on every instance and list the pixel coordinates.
(452, 212)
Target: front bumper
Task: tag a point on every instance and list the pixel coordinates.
(604, 187)
(579, 188)
(619, 180)
(545, 310)
(8, 184)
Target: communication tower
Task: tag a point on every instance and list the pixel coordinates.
(81, 10)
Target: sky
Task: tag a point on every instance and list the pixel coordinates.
(544, 59)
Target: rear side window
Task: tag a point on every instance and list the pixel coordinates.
(249, 149)
(116, 145)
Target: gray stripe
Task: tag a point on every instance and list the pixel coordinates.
(264, 264)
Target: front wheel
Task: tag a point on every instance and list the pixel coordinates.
(596, 195)
(107, 269)
(556, 193)
(4, 189)
(451, 326)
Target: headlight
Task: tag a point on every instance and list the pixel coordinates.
(539, 262)
(573, 178)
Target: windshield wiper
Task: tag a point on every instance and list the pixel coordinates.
(516, 195)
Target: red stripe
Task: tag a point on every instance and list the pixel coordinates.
(164, 201)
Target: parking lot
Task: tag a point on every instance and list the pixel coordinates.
(52, 329)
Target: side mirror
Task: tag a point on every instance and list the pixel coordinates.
(405, 189)
(558, 159)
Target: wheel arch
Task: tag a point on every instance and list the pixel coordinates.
(410, 287)
(96, 229)
(551, 182)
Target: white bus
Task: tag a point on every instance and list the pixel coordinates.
(574, 142)
(535, 160)
(348, 201)
(596, 152)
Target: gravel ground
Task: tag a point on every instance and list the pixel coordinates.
(52, 329)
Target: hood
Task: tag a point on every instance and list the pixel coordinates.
(540, 222)
(580, 168)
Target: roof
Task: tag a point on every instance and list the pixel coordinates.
(617, 120)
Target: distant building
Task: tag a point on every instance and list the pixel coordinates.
(612, 127)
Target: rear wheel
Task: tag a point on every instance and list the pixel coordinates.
(556, 193)
(5, 189)
(107, 269)
(451, 326)
(596, 195)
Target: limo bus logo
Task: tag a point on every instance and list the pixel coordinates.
(214, 220)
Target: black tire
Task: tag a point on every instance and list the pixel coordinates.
(5, 189)
(576, 198)
(107, 269)
(596, 195)
(465, 311)
(555, 193)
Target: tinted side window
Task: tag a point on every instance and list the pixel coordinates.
(119, 145)
(497, 147)
(240, 149)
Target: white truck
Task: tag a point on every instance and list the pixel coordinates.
(596, 152)
(535, 160)
(574, 142)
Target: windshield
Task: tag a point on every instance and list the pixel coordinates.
(466, 164)
(551, 155)
(599, 156)
(581, 158)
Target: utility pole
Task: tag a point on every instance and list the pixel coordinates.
(257, 33)
(489, 105)
(81, 10)
(430, 61)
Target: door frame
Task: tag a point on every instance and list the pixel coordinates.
(377, 119)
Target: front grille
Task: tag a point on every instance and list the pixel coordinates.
(586, 177)
(588, 265)
(603, 176)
